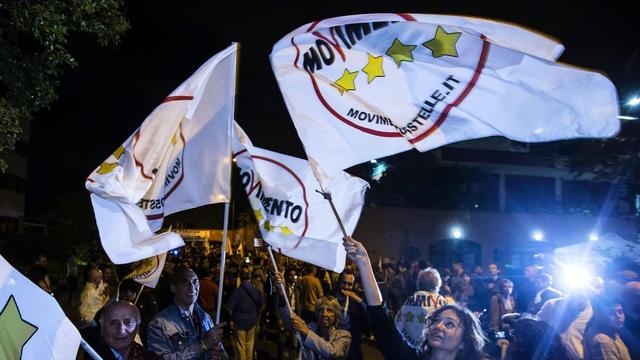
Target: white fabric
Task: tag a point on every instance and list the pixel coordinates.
(293, 218)
(55, 337)
(178, 159)
(493, 79)
(572, 337)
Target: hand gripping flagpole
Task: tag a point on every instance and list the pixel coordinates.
(327, 196)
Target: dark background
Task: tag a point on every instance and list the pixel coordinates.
(113, 89)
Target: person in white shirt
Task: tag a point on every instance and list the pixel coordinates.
(93, 297)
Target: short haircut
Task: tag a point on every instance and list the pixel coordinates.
(245, 275)
(179, 272)
(429, 280)
(505, 281)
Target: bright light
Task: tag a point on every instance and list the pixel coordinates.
(593, 237)
(456, 232)
(378, 170)
(373, 161)
(537, 235)
(576, 276)
(625, 117)
(633, 101)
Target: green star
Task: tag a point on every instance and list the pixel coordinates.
(422, 318)
(443, 43)
(14, 331)
(401, 52)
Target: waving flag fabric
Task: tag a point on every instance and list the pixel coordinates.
(147, 272)
(178, 159)
(292, 216)
(365, 86)
(32, 324)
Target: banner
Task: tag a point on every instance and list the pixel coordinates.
(292, 216)
(366, 86)
(32, 324)
(178, 159)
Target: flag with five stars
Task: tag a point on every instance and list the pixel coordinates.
(32, 324)
(365, 86)
(292, 216)
(178, 159)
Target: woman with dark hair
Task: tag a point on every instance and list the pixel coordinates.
(453, 332)
(601, 338)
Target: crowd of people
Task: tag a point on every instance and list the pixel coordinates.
(405, 310)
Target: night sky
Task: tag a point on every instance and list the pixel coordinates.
(113, 89)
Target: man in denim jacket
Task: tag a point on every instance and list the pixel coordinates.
(183, 330)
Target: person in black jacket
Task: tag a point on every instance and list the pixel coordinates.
(453, 331)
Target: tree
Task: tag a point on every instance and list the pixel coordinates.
(33, 39)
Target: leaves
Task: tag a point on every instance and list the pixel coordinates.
(33, 39)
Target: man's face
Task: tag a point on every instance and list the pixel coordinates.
(347, 282)
(185, 288)
(119, 326)
(493, 269)
(530, 272)
(291, 276)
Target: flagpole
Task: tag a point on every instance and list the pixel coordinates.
(284, 291)
(89, 350)
(138, 296)
(327, 196)
(223, 253)
(223, 257)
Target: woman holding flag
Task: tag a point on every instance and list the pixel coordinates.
(453, 332)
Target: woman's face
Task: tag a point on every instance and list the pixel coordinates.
(446, 332)
(327, 317)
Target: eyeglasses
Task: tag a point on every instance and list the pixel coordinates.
(448, 323)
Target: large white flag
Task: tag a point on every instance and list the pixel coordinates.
(292, 216)
(32, 324)
(178, 159)
(365, 86)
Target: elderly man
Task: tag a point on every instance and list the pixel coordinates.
(119, 323)
(183, 330)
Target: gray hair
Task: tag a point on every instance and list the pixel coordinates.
(429, 280)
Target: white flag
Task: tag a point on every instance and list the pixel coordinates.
(32, 324)
(292, 216)
(178, 159)
(366, 86)
(147, 272)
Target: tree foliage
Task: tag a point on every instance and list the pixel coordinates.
(34, 36)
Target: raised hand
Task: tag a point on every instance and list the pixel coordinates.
(355, 250)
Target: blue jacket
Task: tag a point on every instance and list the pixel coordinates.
(172, 335)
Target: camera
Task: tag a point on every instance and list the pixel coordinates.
(499, 335)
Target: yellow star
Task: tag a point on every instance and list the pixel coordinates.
(267, 226)
(422, 318)
(258, 214)
(285, 230)
(346, 81)
(173, 139)
(14, 331)
(400, 52)
(373, 68)
(408, 316)
(119, 151)
(106, 168)
(443, 43)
